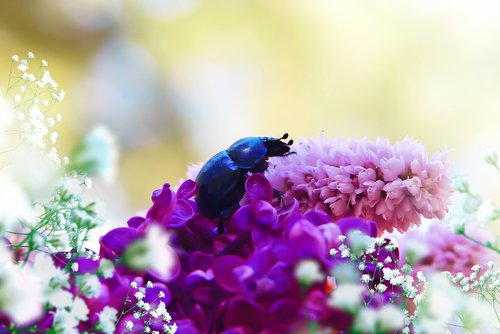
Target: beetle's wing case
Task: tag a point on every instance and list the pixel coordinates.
(248, 152)
(221, 184)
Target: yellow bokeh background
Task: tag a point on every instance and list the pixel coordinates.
(179, 80)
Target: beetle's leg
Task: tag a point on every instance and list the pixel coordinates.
(279, 196)
(224, 216)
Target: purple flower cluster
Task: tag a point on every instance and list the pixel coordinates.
(393, 185)
(242, 281)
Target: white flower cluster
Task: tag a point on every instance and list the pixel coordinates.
(34, 96)
(149, 313)
(364, 252)
(486, 285)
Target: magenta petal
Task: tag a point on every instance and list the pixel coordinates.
(306, 239)
(223, 268)
(244, 218)
(187, 189)
(243, 312)
(152, 294)
(164, 201)
(349, 224)
(258, 188)
(285, 311)
(318, 217)
(198, 277)
(116, 241)
(182, 213)
(264, 213)
(186, 326)
(134, 222)
(261, 237)
(330, 232)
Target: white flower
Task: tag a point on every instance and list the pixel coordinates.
(31, 55)
(19, 207)
(106, 269)
(97, 154)
(59, 298)
(152, 253)
(161, 294)
(139, 295)
(107, 319)
(133, 285)
(308, 272)
(149, 284)
(22, 68)
(74, 267)
(89, 284)
(390, 318)
(365, 321)
(365, 278)
(65, 322)
(20, 291)
(381, 288)
(44, 63)
(129, 325)
(15, 58)
(347, 296)
(79, 309)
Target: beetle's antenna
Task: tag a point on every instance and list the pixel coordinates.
(290, 142)
(285, 136)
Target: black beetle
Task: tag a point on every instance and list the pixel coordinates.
(221, 181)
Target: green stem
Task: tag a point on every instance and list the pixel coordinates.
(487, 245)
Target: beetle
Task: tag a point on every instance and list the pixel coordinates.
(221, 181)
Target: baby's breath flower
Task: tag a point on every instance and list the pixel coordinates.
(381, 288)
(365, 278)
(44, 63)
(139, 295)
(31, 55)
(129, 325)
(133, 285)
(22, 68)
(74, 267)
(15, 58)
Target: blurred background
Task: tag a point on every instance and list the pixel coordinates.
(179, 80)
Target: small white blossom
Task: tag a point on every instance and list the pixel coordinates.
(308, 272)
(107, 319)
(133, 285)
(74, 267)
(15, 58)
(149, 285)
(381, 288)
(365, 278)
(44, 63)
(129, 325)
(22, 68)
(31, 55)
(139, 295)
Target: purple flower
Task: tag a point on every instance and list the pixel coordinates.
(393, 185)
(243, 281)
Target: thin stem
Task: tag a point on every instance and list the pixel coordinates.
(489, 246)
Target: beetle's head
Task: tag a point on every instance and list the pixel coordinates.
(276, 147)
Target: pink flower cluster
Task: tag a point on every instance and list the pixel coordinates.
(440, 249)
(393, 185)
